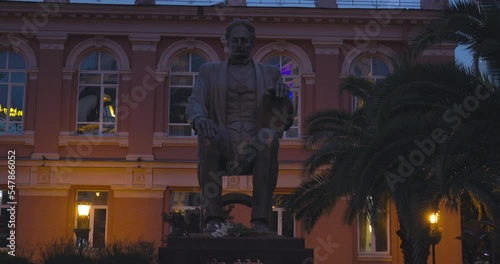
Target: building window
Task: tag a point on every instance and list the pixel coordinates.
(187, 203)
(183, 75)
(291, 76)
(372, 68)
(97, 221)
(282, 221)
(374, 235)
(97, 94)
(12, 87)
(4, 218)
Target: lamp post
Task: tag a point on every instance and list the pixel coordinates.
(82, 226)
(435, 234)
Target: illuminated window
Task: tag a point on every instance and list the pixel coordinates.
(97, 220)
(291, 76)
(282, 221)
(187, 203)
(372, 68)
(97, 94)
(12, 84)
(183, 74)
(374, 235)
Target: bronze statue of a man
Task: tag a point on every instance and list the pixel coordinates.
(228, 109)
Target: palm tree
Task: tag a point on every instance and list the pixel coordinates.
(442, 118)
(473, 23)
(403, 146)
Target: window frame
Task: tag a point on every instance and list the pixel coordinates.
(279, 219)
(297, 91)
(92, 215)
(170, 86)
(102, 86)
(10, 85)
(356, 101)
(373, 251)
(5, 206)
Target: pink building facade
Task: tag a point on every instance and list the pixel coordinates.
(92, 103)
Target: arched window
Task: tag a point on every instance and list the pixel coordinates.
(291, 76)
(372, 68)
(12, 87)
(183, 74)
(97, 94)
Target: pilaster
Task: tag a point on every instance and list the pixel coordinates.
(49, 95)
(327, 70)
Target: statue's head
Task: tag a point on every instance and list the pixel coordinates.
(240, 36)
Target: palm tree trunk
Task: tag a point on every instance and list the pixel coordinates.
(414, 242)
(413, 210)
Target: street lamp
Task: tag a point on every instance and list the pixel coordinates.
(82, 226)
(435, 234)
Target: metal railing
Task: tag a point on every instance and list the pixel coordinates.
(366, 4)
(382, 4)
(264, 3)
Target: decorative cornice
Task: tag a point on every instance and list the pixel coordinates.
(42, 156)
(120, 191)
(441, 50)
(145, 157)
(164, 13)
(162, 140)
(43, 190)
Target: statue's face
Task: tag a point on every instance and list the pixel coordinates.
(240, 43)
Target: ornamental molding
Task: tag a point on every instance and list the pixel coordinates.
(188, 44)
(285, 48)
(144, 42)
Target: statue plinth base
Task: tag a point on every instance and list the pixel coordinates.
(230, 250)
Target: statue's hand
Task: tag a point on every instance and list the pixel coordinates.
(279, 90)
(205, 127)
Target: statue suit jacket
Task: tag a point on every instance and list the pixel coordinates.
(208, 98)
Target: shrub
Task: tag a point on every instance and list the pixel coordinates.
(5, 258)
(128, 252)
(64, 251)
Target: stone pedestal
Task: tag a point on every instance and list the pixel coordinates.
(231, 250)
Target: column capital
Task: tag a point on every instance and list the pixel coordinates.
(68, 73)
(309, 77)
(326, 45)
(144, 42)
(32, 74)
(52, 40)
